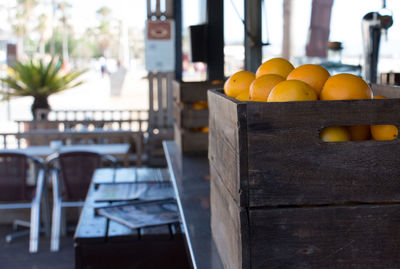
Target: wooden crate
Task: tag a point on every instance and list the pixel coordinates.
(282, 198)
(187, 119)
(191, 142)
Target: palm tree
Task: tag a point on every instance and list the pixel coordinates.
(39, 80)
(24, 10)
(104, 29)
(42, 28)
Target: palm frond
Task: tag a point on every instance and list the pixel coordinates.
(40, 79)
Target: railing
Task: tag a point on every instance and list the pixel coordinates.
(43, 137)
(78, 126)
(133, 120)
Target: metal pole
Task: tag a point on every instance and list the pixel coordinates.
(178, 39)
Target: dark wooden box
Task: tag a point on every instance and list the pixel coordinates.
(190, 142)
(282, 198)
(187, 117)
(189, 122)
(189, 92)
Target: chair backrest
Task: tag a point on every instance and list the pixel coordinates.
(14, 177)
(76, 170)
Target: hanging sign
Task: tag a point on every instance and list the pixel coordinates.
(160, 46)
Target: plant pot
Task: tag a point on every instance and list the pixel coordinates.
(40, 108)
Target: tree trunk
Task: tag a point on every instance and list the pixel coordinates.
(65, 45)
(40, 103)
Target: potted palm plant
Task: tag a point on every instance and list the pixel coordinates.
(39, 79)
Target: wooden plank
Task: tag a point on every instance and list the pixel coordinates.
(194, 142)
(389, 91)
(290, 165)
(151, 97)
(229, 225)
(227, 142)
(191, 142)
(160, 96)
(189, 92)
(169, 78)
(326, 237)
(118, 232)
(187, 117)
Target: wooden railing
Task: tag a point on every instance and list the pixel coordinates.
(43, 137)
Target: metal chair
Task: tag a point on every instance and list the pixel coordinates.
(75, 170)
(22, 185)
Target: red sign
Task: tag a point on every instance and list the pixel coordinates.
(158, 30)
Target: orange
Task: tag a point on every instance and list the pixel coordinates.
(345, 87)
(204, 129)
(199, 105)
(238, 83)
(359, 132)
(262, 86)
(216, 82)
(292, 90)
(244, 96)
(335, 134)
(312, 74)
(384, 132)
(277, 66)
(379, 97)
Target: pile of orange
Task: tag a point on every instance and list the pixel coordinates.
(277, 80)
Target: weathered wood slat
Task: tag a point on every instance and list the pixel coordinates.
(227, 226)
(191, 142)
(225, 148)
(189, 92)
(187, 117)
(326, 237)
(301, 169)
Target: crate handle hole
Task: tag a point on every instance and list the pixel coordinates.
(381, 132)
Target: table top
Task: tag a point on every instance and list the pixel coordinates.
(130, 175)
(191, 180)
(44, 151)
(92, 228)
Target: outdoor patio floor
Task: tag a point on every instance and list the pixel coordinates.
(16, 254)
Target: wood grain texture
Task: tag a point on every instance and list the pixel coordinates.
(290, 165)
(386, 90)
(189, 92)
(187, 117)
(310, 204)
(191, 142)
(326, 237)
(228, 225)
(226, 144)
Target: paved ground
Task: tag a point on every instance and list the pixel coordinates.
(16, 254)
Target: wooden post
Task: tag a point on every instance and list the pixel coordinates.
(287, 20)
(215, 19)
(252, 35)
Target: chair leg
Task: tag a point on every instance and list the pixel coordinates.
(55, 228)
(46, 211)
(34, 229)
(63, 221)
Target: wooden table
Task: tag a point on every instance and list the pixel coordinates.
(116, 150)
(100, 243)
